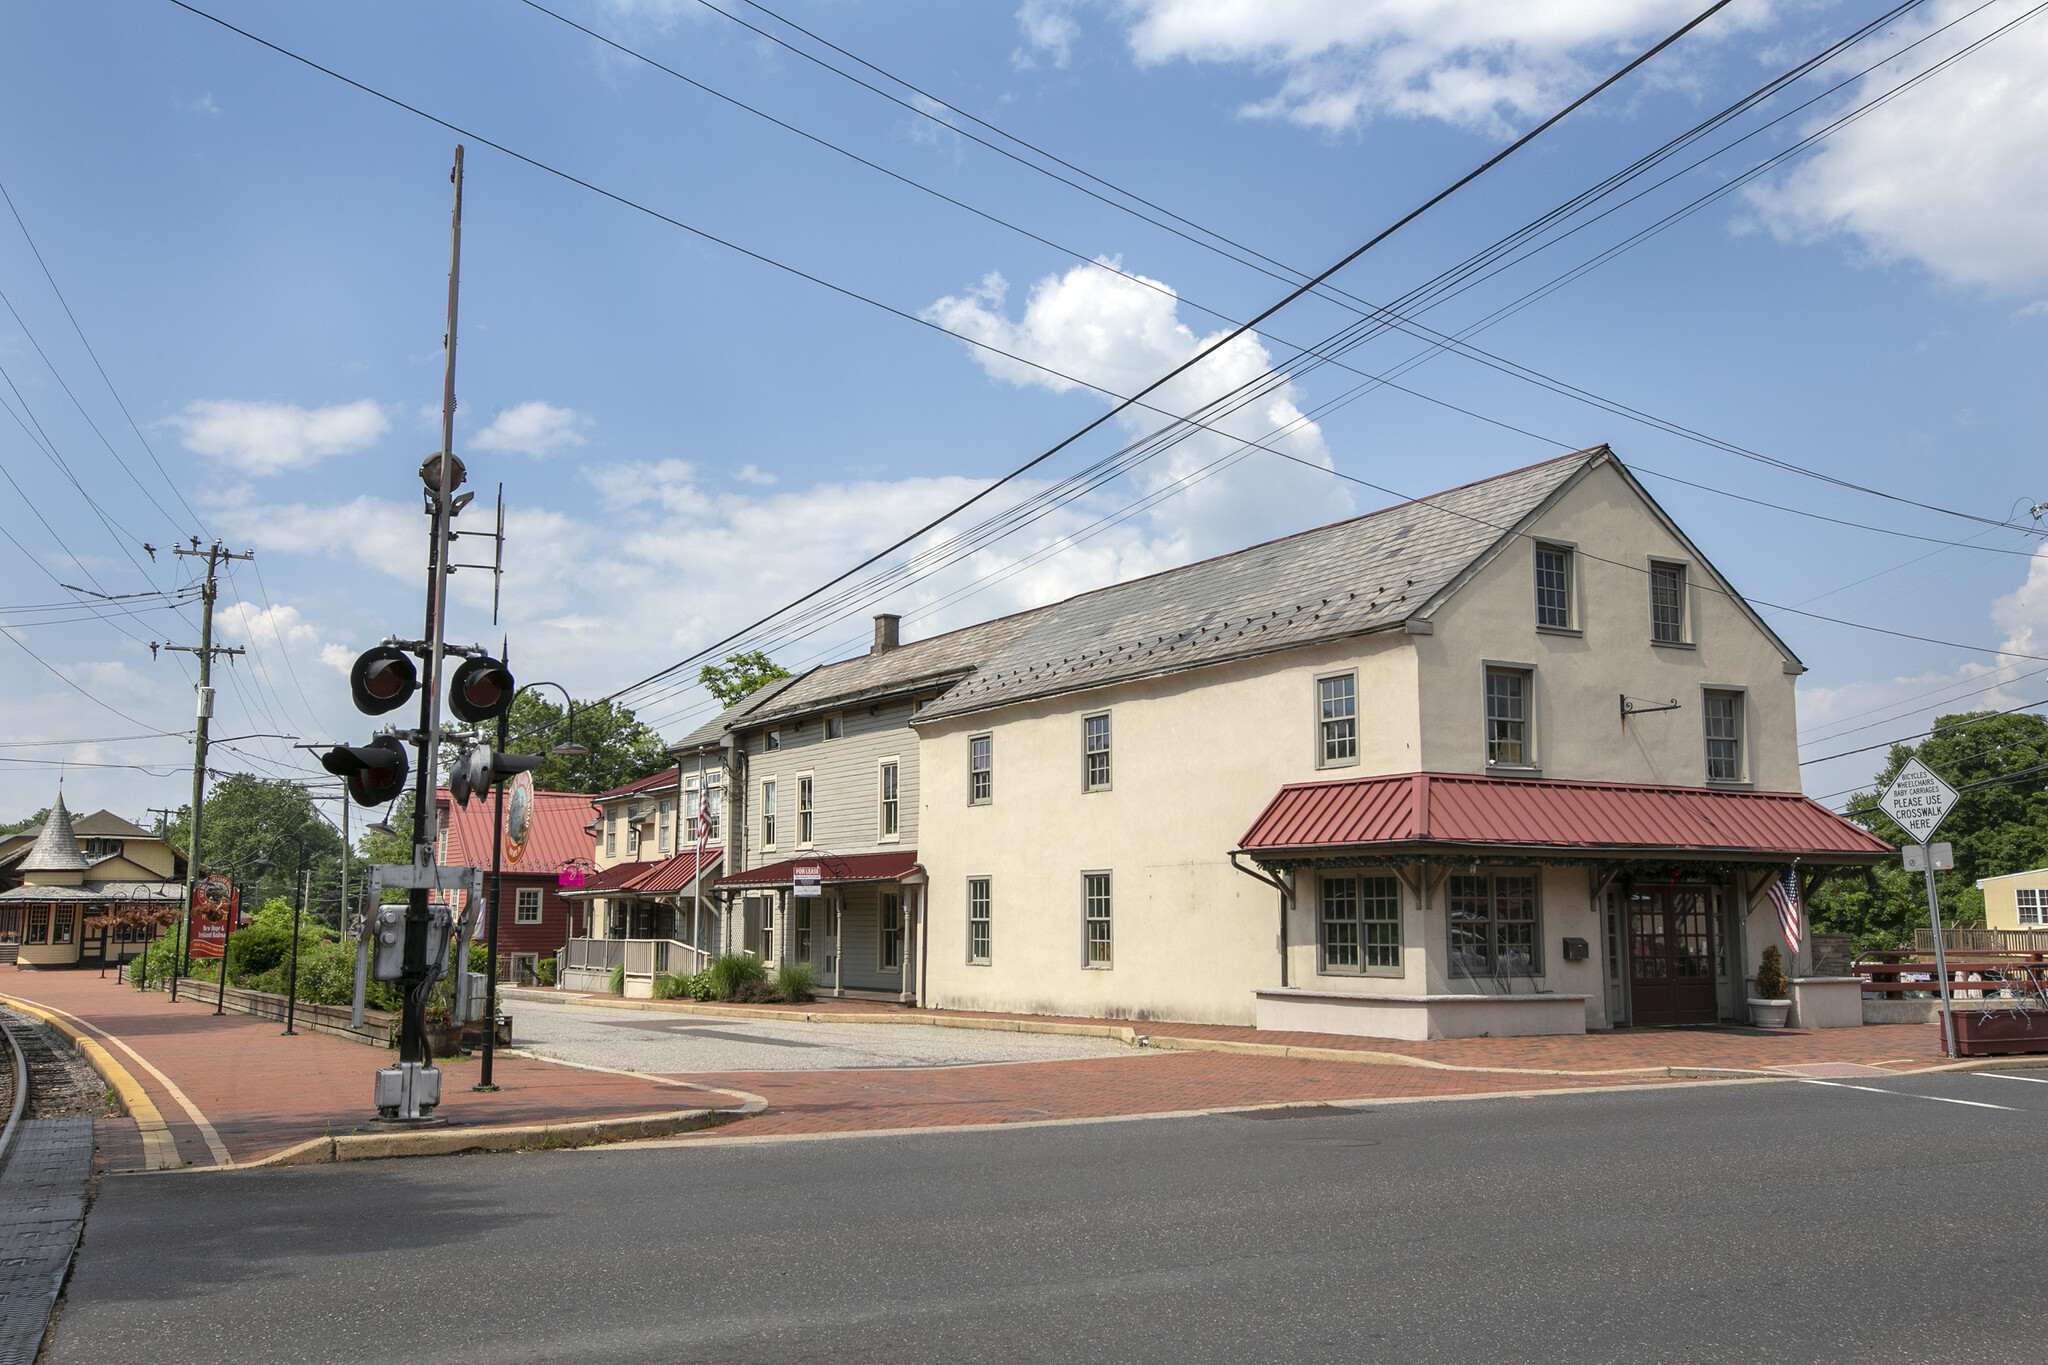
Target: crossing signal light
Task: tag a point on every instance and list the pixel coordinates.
(383, 679)
(476, 769)
(482, 690)
(374, 773)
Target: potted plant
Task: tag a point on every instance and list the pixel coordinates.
(1773, 998)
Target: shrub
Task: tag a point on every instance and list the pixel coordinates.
(754, 993)
(1770, 976)
(479, 958)
(671, 986)
(544, 971)
(700, 987)
(796, 983)
(616, 982)
(733, 970)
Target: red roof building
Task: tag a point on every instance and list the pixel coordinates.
(534, 920)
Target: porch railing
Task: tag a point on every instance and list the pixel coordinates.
(656, 956)
(599, 954)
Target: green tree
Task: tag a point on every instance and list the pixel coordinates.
(740, 676)
(622, 749)
(1995, 829)
(30, 822)
(250, 819)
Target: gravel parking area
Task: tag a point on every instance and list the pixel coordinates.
(636, 1040)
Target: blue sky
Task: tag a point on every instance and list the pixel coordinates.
(257, 253)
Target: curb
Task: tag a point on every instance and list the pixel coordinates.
(451, 1141)
(159, 1149)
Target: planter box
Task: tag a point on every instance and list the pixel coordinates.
(473, 1034)
(2003, 1033)
(1827, 1002)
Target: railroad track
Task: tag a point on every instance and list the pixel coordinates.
(14, 1097)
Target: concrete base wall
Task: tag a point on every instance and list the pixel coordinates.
(586, 979)
(639, 987)
(1419, 1017)
(1826, 1002)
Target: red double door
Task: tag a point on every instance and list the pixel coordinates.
(1671, 957)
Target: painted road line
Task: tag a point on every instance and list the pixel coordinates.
(2008, 1076)
(1905, 1094)
(213, 1142)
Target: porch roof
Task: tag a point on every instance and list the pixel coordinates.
(1419, 812)
(647, 878)
(833, 869)
(99, 893)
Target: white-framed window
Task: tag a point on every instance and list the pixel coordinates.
(1553, 587)
(1360, 925)
(804, 793)
(714, 801)
(611, 832)
(981, 769)
(803, 929)
(835, 726)
(1667, 603)
(978, 910)
(632, 836)
(1336, 720)
(1494, 927)
(526, 910)
(889, 954)
(771, 741)
(891, 809)
(768, 813)
(525, 969)
(1095, 753)
(1096, 918)
(662, 828)
(1509, 740)
(2027, 900)
(1723, 719)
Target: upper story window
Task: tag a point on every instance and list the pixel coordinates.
(1508, 737)
(1554, 587)
(632, 833)
(714, 802)
(771, 740)
(662, 828)
(1337, 720)
(835, 726)
(528, 909)
(1667, 603)
(891, 809)
(768, 813)
(803, 811)
(1723, 712)
(611, 832)
(100, 848)
(981, 770)
(1095, 753)
(2027, 900)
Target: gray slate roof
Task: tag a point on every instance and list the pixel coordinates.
(711, 731)
(1370, 573)
(56, 849)
(104, 824)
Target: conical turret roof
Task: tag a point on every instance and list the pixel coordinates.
(56, 848)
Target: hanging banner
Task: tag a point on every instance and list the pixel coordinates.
(518, 817)
(214, 900)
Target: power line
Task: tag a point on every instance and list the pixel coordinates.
(1924, 734)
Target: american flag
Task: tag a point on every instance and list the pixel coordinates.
(1785, 895)
(703, 820)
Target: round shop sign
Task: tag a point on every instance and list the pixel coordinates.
(518, 816)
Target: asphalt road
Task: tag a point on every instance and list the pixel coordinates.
(1776, 1222)
(667, 1044)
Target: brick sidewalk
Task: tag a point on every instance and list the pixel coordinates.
(263, 1092)
(1899, 1045)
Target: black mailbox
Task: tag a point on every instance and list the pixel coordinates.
(1575, 950)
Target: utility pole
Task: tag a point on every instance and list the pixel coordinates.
(214, 556)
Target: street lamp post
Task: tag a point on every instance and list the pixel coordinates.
(569, 750)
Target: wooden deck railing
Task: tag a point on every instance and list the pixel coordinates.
(1973, 975)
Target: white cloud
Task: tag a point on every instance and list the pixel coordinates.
(386, 536)
(1120, 332)
(266, 438)
(1475, 63)
(747, 473)
(1952, 174)
(1048, 27)
(537, 429)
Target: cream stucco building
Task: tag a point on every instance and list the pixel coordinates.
(1513, 758)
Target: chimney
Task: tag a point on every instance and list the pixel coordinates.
(885, 633)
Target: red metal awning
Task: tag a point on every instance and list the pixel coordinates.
(1417, 811)
(833, 869)
(678, 873)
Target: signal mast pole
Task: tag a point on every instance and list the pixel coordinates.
(441, 478)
